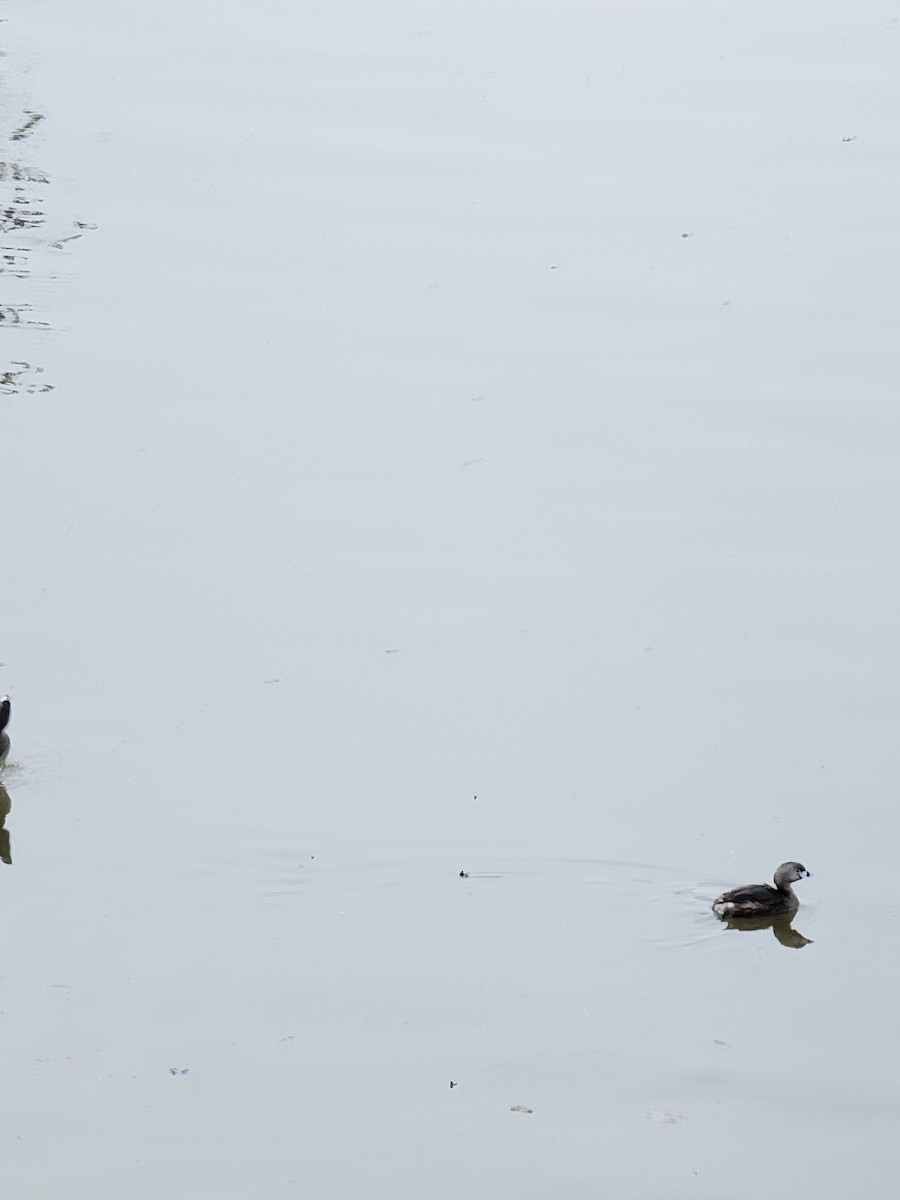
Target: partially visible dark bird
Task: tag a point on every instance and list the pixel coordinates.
(5, 709)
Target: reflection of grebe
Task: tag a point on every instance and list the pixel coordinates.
(761, 899)
(5, 707)
(781, 927)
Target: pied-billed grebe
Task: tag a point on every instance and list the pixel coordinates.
(761, 899)
(4, 721)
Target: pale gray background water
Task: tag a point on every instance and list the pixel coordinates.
(403, 450)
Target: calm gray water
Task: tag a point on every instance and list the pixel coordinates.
(442, 439)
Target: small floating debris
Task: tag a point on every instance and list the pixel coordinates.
(520, 1108)
(664, 1117)
(179, 1070)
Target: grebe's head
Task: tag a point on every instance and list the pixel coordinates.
(789, 873)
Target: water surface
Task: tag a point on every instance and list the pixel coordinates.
(448, 442)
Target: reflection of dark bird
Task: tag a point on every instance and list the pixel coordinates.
(761, 899)
(5, 806)
(5, 708)
(781, 927)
